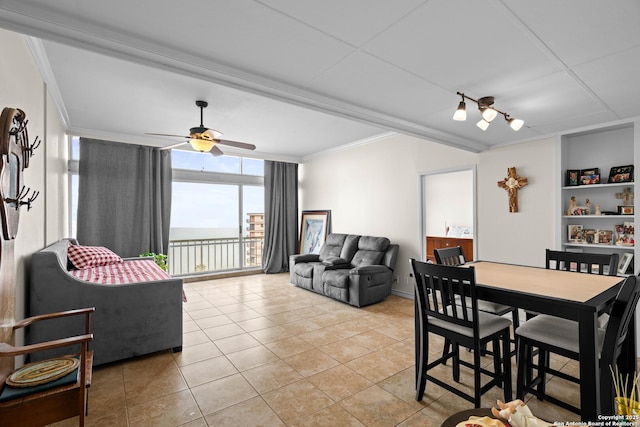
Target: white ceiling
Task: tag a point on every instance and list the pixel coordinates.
(300, 77)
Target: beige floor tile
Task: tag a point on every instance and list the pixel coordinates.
(345, 350)
(255, 324)
(223, 393)
(207, 312)
(340, 382)
(334, 415)
(194, 338)
(236, 343)
(171, 410)
(251, 357)
(377, 407)
(145, 382)
(246, 314)
(271, 334)
(374, 367)
(213, 321)
(251, 412)
(223, 331)
(311, 362)
(296, 401)
(288, 346)
(373, 340)
(402, 385)
(196, 353)
(207, 370)
(270, 376)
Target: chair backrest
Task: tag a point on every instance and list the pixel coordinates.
(450, 256)
(436, 287)
(582, 262)
(622, 313)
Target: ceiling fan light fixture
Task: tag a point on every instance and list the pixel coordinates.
(515, 124)
(488, 114)
(202, 145)
(461, 113)
(483, 124)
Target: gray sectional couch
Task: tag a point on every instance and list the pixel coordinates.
(350, 268)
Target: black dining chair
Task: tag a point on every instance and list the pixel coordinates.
(454, 256)
(551, 334)
(436, 286)
(582, 262)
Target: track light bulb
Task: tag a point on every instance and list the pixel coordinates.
(483, 124)
(515, 124)
(461, 113)
(488, 114)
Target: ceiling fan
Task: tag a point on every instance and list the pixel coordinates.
(204, 139)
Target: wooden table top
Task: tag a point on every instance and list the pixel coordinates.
(565, 285)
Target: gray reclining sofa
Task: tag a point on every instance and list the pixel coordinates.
(354, 269)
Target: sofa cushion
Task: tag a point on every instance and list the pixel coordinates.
(332, 246)
(370, 251)
(336, 278)
(304, 269)
(91, 256)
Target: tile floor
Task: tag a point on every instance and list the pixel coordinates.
(261, 352)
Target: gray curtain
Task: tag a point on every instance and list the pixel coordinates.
(280, 215)
(124, 197)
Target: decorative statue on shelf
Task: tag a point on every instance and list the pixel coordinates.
(574, 209)
(626, 196)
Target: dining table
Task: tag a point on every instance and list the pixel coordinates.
(571, 295)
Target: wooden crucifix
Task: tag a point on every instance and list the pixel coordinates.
(512, 183)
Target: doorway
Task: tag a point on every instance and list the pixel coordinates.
(448, 210)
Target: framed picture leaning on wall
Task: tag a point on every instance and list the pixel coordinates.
(314, 228)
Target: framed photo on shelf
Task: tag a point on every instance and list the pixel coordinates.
(590, 236)
(575, 233)
(625, 262)
(572, 177)
(314, 228)
(605, 237)
(590, 176)
(621, 174)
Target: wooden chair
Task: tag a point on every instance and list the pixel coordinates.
(460, 323)
(455, 256)
(37, 405)
(560, 336)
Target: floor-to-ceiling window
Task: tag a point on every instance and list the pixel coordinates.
(217, 214)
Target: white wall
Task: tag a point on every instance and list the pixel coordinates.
(373, 189)
(21, 86)
(520, 237)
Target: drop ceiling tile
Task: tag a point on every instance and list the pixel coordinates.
(617, 86)
(578, 31)
(353, 22)
(458, 44)
(368, 82)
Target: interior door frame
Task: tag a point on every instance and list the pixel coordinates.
(422, 204)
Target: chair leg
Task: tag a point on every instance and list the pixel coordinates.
(524, 353)
(497, 368)
(445, 349)
(506, 371)
(477, 395)
(456, 362)
(543, 363)
(422, 349)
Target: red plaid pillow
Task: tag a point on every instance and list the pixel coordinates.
(91, 256)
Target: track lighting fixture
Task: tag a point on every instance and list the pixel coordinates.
(487, 111)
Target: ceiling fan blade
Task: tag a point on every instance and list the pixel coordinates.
(166, 134)
(211, 134)
(169, 147)
(216, 151)
(236, 144)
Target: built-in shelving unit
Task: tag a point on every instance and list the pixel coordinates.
(601, 148)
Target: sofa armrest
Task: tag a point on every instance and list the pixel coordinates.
(336, 262)
(368, 269)
(304, 258)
